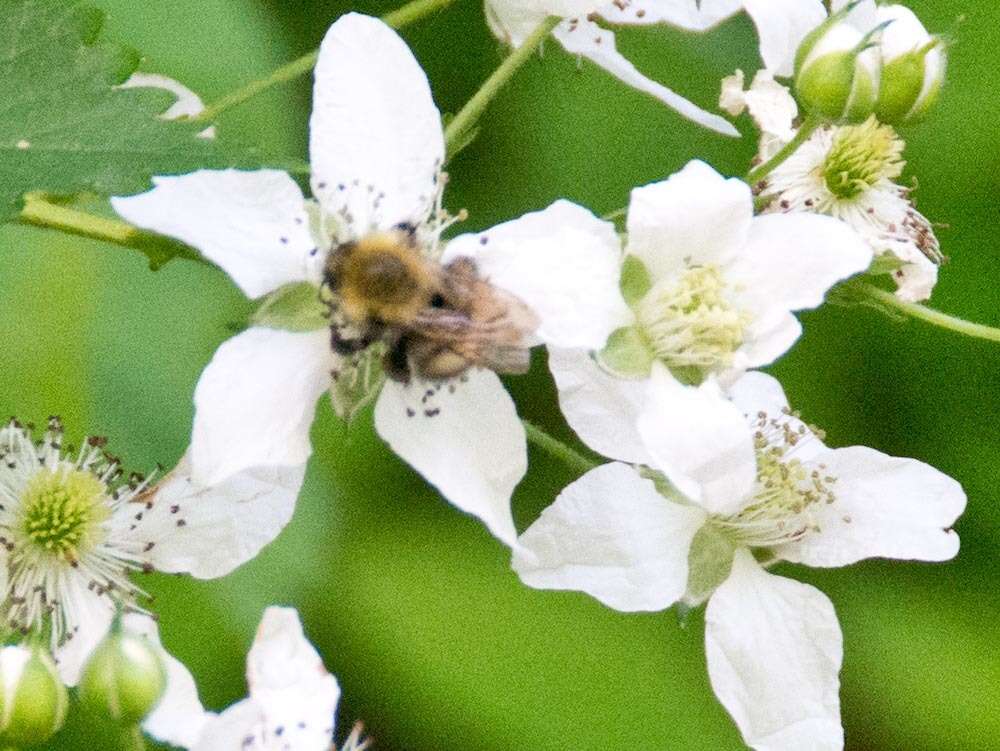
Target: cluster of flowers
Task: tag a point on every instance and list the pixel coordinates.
(652, 337)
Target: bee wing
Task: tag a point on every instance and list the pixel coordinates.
(498, 344)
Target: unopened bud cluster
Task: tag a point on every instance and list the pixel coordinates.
(122, 682)
(894, 69)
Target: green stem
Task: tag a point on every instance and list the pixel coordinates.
(466, 118)
(812, 122)
(554, 447)
(397, 19)
(40, 213)
(928, 315)
(133, 740)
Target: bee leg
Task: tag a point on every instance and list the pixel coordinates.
(345, 346)
(409, 228)
(396, 362)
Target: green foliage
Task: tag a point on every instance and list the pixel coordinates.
(67, 128)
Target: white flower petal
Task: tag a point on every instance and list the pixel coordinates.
(771, 105)
(701, 441)
(587, 39)
(293, 699)
(464, 436)
(781, 27)
(774, 651)
(695, 213)
(375, 137)
(252, 224)
(886, 507)
(255, 402)
(601, 409)
(92, 616)
(209, 530)
(564, 263)
(768, 339)
(288, 680)
(179, 716)
(690, 15)
(757, 392)
(864, 15)
(232, 728)
(611, 535)
(791, 260)
(188, 103)
(512, 21)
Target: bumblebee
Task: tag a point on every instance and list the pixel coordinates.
(436, 320)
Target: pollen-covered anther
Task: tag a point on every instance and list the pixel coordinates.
(787, 490)
(691, 321)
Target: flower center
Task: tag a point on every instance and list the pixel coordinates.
(787, 490)
(860, 156)
(62, 511)
(690, 322)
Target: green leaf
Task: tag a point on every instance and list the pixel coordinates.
(635, 280)
(293, 307)
(356, 382)
(627, 353)
(65, 127)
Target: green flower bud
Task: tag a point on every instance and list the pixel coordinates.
(124, 678)
(913, 67)
(837, 71)
(33, 699)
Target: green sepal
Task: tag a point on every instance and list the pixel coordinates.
(885, 263)
(709, 562)
(635, 281)
(356, 382)
(293, 307)
(627, 353)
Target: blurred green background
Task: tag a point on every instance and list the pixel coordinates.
(435, 642)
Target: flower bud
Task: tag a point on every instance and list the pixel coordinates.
(837, 71)
(124, 678)
(913, 67)
(33, 699)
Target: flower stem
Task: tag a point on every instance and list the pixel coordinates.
(463, 122)
(554, 447)
(928, 315)
(808, 127)
(38, 212)
(133, 740)
(397, 19)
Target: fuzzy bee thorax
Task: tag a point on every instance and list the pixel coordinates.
(381, 277)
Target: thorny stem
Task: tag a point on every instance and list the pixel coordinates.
(41, 213)
(808, 127)
(397, 19)
(928, 315)
(466, 118)
(554, 447)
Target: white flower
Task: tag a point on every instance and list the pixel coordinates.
(512, 21)
(710, 290)
(623, 535)
(292, 701)
(73, 530)
(850, 172)
(377, 147)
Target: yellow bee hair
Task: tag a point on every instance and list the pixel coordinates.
(382, 277)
